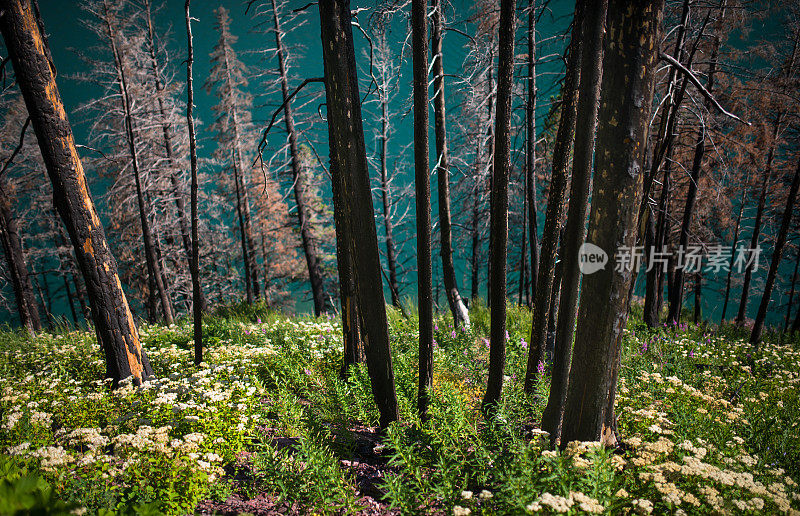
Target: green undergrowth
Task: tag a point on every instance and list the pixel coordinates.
(709, 424)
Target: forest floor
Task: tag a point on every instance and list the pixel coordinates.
(266, 426)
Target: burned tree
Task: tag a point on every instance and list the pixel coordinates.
(114, 324)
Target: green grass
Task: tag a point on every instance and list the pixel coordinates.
(703, 433)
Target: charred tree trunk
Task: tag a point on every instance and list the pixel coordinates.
(422, 185)
(17, 267)
(194, 265)
(346, 138)
(309, 240)
(499, 215)
(555, 205)
(628, 73)
(113, 321)
(758, 325)
(575, 231)
(153, 264)
(530, 145)
(351, 325)
(457, 306)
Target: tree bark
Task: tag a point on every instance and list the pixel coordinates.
(351, 323)
(346, 137)
(194, 264)
(499, 212)
(786, 221)
(422, 185)
(17, 266)
(457, 306)
(628, 73)
(575, 231)
(530, 157)
(307, 237)
(555, 205)
(113, 320)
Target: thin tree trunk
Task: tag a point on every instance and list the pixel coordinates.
(475, 229)
(165, 130)
(628, 72)
(698, 300)
(34, 72)
(17, 267)
(555, 205)
(676, 300)
(422, 184)
(733, 254)
(243, 205)
(70, 300)
(748, 272)
(346, 138)
(307, 237)
(791, 292)
(240, 210)
(499, 214)
(786, 221)
(575, 231)
(194, 265)
(457, 306)
(153, 265)
(530, 157)
(47, 301)
(388, 225)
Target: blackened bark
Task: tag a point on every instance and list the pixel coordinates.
(786, 220)
(457, 306)
(530, 158)
(307, 237)
(555, 205)
(629, 67)
(194, 265)
(575, 230)
(499, 213)
(113, 321)
(351, 324)
(422, 185)
(17, 267)
(346, 138)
